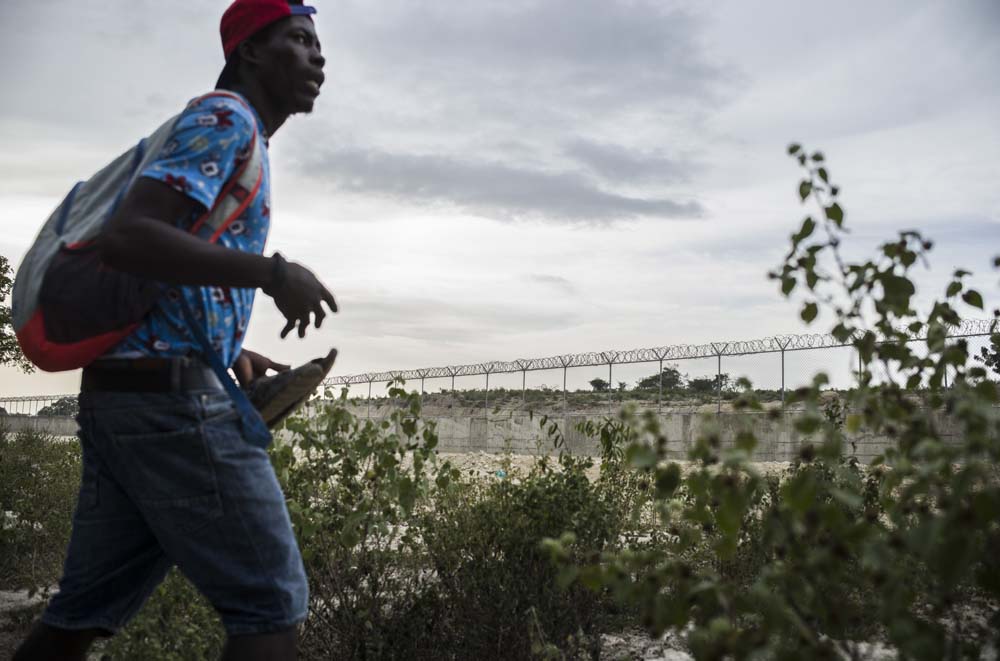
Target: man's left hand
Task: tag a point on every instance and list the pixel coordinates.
(250, 366)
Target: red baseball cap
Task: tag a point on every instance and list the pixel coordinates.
(244, 18)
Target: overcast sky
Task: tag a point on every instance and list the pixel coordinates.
(496, 179)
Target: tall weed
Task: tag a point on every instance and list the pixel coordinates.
(39, 479)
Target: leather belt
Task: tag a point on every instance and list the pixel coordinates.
(148, 375)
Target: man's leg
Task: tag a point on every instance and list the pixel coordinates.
(47, 642)
(113, 563)
(215, 506)
(247, 562)
(280, 646)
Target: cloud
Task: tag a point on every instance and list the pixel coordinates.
(122, 55)
(556, 110)
(555, 281)
(436, 321)
(572, 50)
(542, 71)
(620, 164)
(492, 189)
(508, 110)
(936, 60)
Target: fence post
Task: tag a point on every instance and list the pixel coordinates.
(783, 343)
(718, 377)
(369, 414)
(718, 384)
(565, 403)
(611, 391)
(782, 378)
(659, 397)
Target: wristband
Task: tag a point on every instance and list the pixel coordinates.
(279, 272)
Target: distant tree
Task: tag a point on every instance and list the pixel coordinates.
(708, 384)
(990, 357)
(64, 406)
(10, 350)
(599, 385)
(622, 386)
(671, 376)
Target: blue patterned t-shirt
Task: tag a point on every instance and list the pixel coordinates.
(210, 140)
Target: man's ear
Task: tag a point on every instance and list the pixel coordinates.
(249, 52)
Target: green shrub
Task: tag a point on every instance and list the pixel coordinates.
(496, 585)
(353, 488)
(833, 553)
(39, 480)
(176, 624)
(407, 561)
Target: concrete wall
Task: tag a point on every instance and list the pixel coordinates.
(521, 434)
(55, 425)
(517, 432)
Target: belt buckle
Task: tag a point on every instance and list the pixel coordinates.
(175, 374)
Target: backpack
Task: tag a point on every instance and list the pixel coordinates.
(68, 308)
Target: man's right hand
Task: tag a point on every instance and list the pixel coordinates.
(297, 293)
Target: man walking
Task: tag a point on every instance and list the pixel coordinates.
(169, 477)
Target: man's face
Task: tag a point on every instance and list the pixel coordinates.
(291, 65)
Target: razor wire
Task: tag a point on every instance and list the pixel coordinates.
(774, 344)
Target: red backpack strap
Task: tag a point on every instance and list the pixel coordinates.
(225, 95)
(242, 187)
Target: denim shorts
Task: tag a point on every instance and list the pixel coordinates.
(169, 480)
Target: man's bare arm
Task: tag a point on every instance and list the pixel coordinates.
(140, 238)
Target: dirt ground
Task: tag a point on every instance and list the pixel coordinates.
(17, 613)
(635, 645)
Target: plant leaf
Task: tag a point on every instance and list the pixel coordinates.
(973, 298)
(835, 213)
(805, 187)
(808, 226)
(809, 312)
(639, 455)
(667, 479)
(787, 285)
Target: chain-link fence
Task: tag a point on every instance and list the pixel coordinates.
(39, 405)
(774, 366)
(658, 375)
